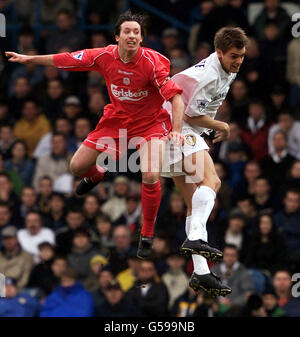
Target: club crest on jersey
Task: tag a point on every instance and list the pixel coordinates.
(126, 80)
(78, 56)
(201, 105)
(190, 139)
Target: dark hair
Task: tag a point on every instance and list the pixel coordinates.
(46, 178)
(129, 16)
(231, 246)
(228, 37)
(56, 134)
(19, 141)
(262, 177)
(5, 204)
(32, 100)
(292, 190)
(6, 175)
(69, 273)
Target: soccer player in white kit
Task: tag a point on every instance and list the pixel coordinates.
(205, 86)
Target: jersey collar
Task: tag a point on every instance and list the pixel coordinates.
(134, 60)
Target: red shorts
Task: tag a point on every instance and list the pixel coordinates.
(100, 140)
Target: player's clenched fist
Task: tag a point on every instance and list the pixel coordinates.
(177, 137)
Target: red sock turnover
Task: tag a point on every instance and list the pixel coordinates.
(95, 173)
(151, 197)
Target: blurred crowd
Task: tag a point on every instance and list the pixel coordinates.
(65, 255)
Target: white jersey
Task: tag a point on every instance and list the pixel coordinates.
(205, 86)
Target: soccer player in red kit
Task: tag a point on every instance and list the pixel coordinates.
(138, 83)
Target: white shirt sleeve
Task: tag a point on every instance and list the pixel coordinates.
(199, 92)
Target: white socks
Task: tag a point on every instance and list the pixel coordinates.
(203, 201)
(200, 263)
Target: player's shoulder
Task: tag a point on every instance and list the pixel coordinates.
(102, 51)
(154, 55)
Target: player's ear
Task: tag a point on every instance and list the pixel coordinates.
(219, 53)
(117, 37)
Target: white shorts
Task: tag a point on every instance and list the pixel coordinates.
(193, 142)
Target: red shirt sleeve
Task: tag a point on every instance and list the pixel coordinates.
(82, 60)
(161, 77)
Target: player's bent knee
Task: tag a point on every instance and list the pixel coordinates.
(150, 177)
(76, 169)
(217, 184)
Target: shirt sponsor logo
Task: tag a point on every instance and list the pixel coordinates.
(78, 56)
(127, 94)
(124, 72)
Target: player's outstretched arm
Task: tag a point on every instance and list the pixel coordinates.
(43, 60)
(221, 128)
(177, 112)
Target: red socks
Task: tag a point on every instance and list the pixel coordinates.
(151, 197)
(96, 173)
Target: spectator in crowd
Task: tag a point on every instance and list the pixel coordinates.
(239, 102)
(133, 212)
(81, 254)
(21, 92)
(41, 276)
(96, 264)
(266, 250)
(28, 201)
(14, 261)
(161, 249)
(34, 234)
(273, 11)
(235, 139)
(116, 205)
(7, 140)
(81, 129)
(270, 303)
(277, 164)
(234, 234)
(5, 217)
(235, 274)
(8, 195)
(64, 235)
(17, 304)
(287, 220)
(235, 163)
(291, 128)
(103, 232)
(172, 223)
(53, 100)
(293, 176)
(32, 126)
(175, 278)
(65, 35)
(151, 299)
(26, 40)
(55, 164)
(69, 299)
(254, 307)
(206, 306)
(185, 305)
(170, 40)
(224, 194)
(282, 283)
(115, 303)
(293, 71)
(72, 108)
(55, 219)
(91, 209)
(246, 205)
(104, 279)
(255, 131)
(252, 170)
(263, 199)
(122, 249)
(128, 277)
(20, 163)
(45, 191)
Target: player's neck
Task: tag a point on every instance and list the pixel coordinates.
(126, 56)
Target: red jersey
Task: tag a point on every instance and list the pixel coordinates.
(137, 89)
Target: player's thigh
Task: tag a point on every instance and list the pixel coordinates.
(186, 189)
(151, 154)
(83, 159)
(194, 167)
(210, 175)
